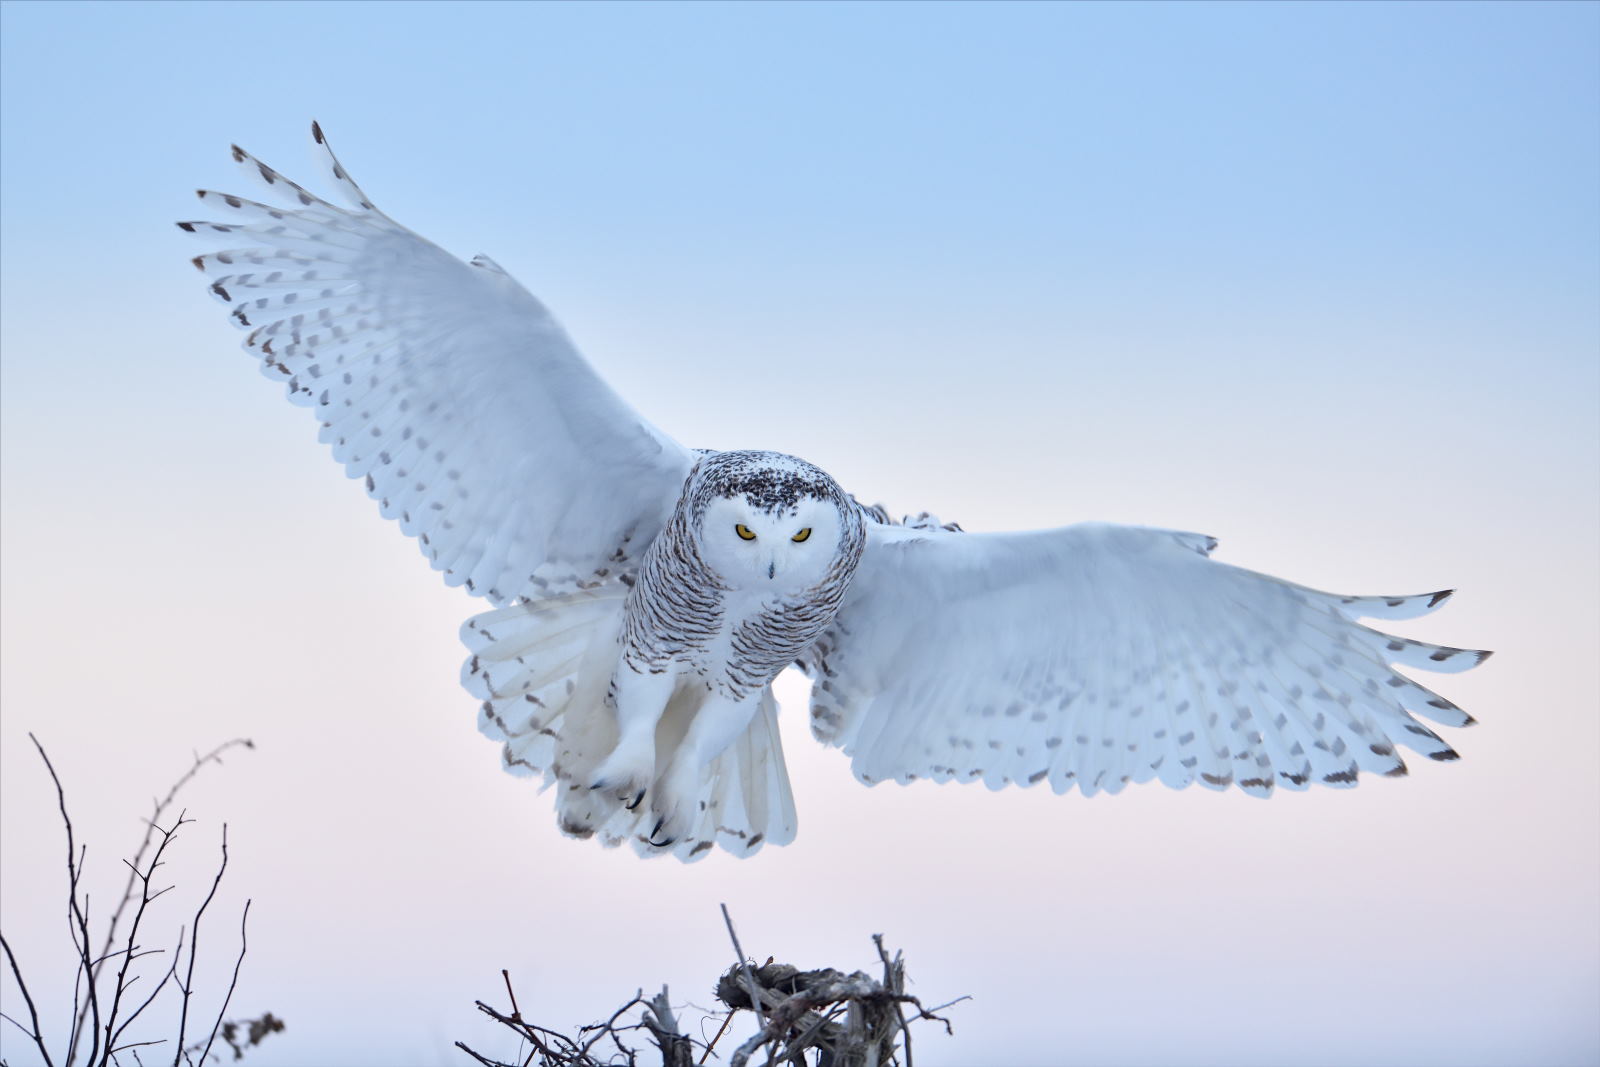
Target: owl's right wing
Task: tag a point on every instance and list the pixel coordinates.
(445, 385)
(1099, 655)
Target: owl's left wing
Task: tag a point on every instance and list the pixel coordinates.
(1099, 655)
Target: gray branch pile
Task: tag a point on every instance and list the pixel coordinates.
(822, 1018)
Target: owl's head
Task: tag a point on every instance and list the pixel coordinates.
(766, 520)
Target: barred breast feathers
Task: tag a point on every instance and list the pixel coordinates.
(679, 604)
(676, 605)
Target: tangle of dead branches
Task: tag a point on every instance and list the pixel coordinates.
(118, 978)
(820, 1018)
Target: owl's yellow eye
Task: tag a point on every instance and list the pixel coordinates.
(744, 531)
(802, 535)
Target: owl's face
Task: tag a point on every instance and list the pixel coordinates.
(781, 549)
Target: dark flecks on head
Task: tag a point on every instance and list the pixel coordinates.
(770, 481)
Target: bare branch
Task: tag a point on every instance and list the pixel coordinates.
(749, 979)
(77, 917)
(160, 807)
(99, 1020)
(130, 953)
(16, 972)
(894, 981)
(821, 1016)
(177, 954)
(726, 1019)
(605, 1028)
(516, 1012)
(243, 944)
(137, 1044)
(187, 985)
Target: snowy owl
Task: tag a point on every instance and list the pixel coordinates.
(646, 594)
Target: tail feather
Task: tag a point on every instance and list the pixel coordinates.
(538, 666)
(543, 670)
(746, 803)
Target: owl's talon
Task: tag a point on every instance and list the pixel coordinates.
(655, 831)
(626, 775)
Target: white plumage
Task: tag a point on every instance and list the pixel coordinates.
(647, 595)
(1096, 655)
(446, 386)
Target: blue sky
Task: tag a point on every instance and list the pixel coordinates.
(1319, 279)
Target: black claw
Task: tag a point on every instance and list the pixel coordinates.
(637, 798)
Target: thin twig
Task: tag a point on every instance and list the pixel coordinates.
(516, 1013)
(749, 978)
(928, 1013)
(177, 954)
(238, 961)
(526, 1031)
(142, 1044)
(145, 898)
(726, 1019)
(160, 806)
(16, 972)
(78, 924)
(606, 1027)
(187, 985)
(74, 872)
(462, 1045)
(892, 982)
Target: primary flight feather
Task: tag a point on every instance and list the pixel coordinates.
(646, 594)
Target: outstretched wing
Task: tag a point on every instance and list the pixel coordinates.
(446, 386)
(1100, 655)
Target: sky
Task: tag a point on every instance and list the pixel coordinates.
(1319, 280)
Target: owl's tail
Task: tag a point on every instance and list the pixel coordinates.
(543, 670)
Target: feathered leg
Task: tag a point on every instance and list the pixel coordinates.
(715, 725)
(638, 698)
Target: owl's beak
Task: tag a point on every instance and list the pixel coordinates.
(772, 569)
